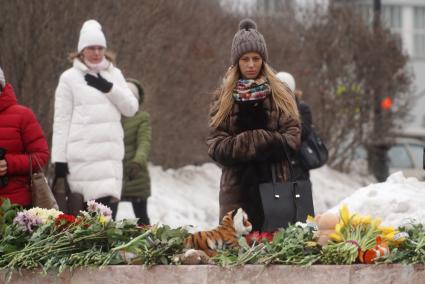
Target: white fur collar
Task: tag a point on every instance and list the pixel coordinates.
(78, 64)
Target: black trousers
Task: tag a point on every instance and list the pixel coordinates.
(141, 211)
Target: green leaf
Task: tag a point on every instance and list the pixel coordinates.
(9, 216)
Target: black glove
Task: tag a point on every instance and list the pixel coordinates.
(251, 116)
(61, 170)
(133, 170)
(99, 83)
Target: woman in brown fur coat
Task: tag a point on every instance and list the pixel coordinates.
(253, 121)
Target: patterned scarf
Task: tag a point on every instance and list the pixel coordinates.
(251, 90)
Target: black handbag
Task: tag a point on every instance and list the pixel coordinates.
(285, 203)
(313, 152)
(69, 202)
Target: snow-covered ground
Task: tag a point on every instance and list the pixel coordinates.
(189, 196)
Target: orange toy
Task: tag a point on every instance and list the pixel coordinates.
(371, 255)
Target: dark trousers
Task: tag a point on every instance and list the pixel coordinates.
(141, 211)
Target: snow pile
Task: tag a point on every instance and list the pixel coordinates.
(330, 187)
(397, 201)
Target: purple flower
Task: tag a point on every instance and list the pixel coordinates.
(26, 221)
(99, 208)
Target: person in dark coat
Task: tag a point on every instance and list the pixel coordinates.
(253, 122)
(20, 136)
(137, 142)
(300, 172)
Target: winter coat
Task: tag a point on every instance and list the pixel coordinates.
(20, 135)
(137, 141)
(306, 125)
(87, 131)
(246, 158)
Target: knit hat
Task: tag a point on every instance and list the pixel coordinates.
(2, 79)
(248, 39)
(91, 34)
(288, 79)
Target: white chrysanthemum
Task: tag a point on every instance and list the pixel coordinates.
(44, 214)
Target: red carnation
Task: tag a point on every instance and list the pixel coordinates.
(64, 220)
(258, 237)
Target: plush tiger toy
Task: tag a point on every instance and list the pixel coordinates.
(234, 225)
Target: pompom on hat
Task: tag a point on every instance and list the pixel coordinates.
(288, 79)
(91, 34)
(248, 39)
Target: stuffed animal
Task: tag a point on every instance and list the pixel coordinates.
(326, 225)
(192, 257)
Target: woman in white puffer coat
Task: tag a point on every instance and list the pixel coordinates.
(91, 96)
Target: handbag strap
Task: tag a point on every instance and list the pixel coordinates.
(67, 189)
(291, 170)
(36, 161)
(31, 157)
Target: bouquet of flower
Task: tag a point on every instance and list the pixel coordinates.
(359, 238)
(412, 250)
(47, 239)
(293, 245)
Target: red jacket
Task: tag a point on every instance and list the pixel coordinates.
(20, 135)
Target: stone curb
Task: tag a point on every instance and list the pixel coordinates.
(168, 274)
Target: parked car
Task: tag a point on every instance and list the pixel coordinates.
(406, 155)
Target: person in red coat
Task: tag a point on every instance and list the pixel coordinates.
(20, 136)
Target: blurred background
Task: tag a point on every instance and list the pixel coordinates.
(360, 65)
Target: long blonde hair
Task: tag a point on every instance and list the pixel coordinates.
(281, 95)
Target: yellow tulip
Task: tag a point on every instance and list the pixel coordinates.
(335, 237)
(345, 214)
(376, 222)
(338, 228)
(355, 220)
(386, 229)
(366, 220)
(389, 237)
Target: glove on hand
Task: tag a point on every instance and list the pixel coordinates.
(61, 170)
(133, 170)
(99, 83)
(251, 116)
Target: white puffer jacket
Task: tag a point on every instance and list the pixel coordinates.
(87, 131)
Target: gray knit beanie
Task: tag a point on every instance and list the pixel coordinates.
(248, 39)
